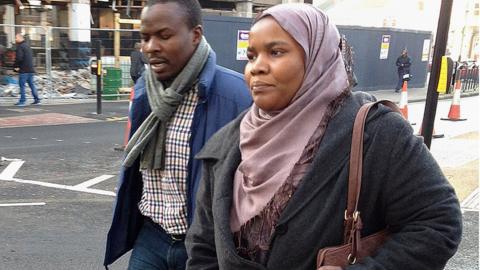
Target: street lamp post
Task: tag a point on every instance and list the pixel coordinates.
(439, 51)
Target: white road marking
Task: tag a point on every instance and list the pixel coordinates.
(9, 159)
(94, 181)
(15, 164)
(26, 110)
(22, 204)
(12, 168)
(74, 188)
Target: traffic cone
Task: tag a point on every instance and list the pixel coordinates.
(454, 113)
(435, 136)
(129, 124)
(404, 101)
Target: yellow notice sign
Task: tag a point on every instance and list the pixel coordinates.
(99, 67)
(442, 80)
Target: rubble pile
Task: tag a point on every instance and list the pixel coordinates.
(74, 83)
(65, 82)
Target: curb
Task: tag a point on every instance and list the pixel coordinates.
(9, 101)
(445, 96)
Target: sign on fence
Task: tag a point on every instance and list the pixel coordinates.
(426, 49)
(242, 44)
(384, 46)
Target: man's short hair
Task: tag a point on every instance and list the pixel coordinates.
(192, 9)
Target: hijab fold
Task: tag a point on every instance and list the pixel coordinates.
(271, 143)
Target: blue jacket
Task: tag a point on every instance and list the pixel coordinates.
(222, 95)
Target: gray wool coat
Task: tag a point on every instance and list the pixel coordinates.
(402, 188)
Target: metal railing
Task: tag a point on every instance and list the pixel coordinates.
(468, 76)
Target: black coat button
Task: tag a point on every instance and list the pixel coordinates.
(281, 229)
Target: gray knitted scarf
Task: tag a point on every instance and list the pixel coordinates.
(149, 139)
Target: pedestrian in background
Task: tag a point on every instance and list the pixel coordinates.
(180, 101)
(24, 65)
(274, 185)
(403, 69)
(137, 62)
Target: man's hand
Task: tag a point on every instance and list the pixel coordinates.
(330, 268)
(16, 69)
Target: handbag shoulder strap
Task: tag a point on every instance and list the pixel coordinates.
(356, 164)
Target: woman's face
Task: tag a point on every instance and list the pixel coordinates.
(276, 65)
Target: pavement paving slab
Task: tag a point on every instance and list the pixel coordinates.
(472, 202)
(45, 119)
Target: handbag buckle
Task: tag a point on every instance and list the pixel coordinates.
(355, 215)
(351, 259)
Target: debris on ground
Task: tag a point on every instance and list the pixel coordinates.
(76, 83)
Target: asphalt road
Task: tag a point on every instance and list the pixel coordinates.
(56, 210)
(68, 231)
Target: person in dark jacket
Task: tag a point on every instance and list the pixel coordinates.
(24, 65)
(403, 68)
(274, 185)
(137, 62)
(180, 101)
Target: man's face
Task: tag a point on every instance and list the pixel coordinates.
(167, 40)
(18, 38)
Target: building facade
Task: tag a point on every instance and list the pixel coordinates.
(423, 15)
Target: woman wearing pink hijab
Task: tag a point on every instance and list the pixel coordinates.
(274, 186)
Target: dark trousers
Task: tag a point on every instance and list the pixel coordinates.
(400, 81)
(28, 78)
(154, 249)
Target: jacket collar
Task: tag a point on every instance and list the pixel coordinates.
(206, 75)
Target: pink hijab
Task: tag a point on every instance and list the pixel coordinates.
(271, 145)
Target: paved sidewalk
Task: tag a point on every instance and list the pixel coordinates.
(9, 101)
(414, 95)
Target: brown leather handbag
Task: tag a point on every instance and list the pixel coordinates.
(355, 248)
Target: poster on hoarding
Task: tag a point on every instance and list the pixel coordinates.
(443, 79)
(426, 49)
(242, 44)
(384, 46)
